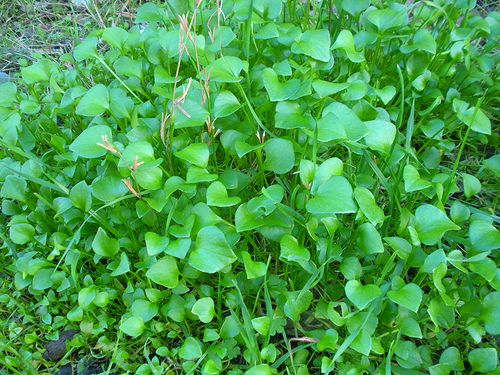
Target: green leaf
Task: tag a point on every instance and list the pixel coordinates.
(280, 156)
(345, 42)
(115, 37)
(129, 67)
(331, 128)
(330, 167)
(262, 369)
(431, 224)
(164, 272)
(354, 128)
(279, 91)
(409, 296)
(8, 94)
(144, 309)
(148, 12)
(133, 326)
(212, 252)
(329, 341)
(149, 178)
(86, 49)
(385, 19)
(105, 246)
(452, 357)
(41, 70)
(326, 88)
(109, 188)
(204, 308)
(289, 116)
(412, 179)
(315, 44)
(179, 248)
(217, 196)
(42, 279)
(493, 164)
(411, 328)
(386, 94)
(483, 360)
(192, 114)
(291, 250)
(441, 314)
(196, 153)
(422, 40)
(369, 239)
(191, 349)
(80, 196)
(14, 188)
(367, 205)
(490, 313)
(253, 269)
(351, 268)
(123, 267)
(86, 296)
(361, 295)
(261, 324)
(246, 219)
(225, 69)
(483, 236)
(94, 102)
(355, 91)
(362, 343)
(478, 121)
(268, 31)
(354, 8)
(225, 104)
(333, 196)
(400, 245)
(21, 233)
(381, 135)
(155, 243)
(296, 303)
(472, 185)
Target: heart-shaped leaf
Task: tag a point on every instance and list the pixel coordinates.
(105, 246)
(334, 196)
(369, 239)
(252, 268)
(431, 224)
(204, 308)
(164, 272)
(361, 295)
(345, 42)
(412, 179)
(315, 44)
(225, 104)
(212, 252)
(155, 243)
(217, 196)
(381, 135)
(490, 313)
(409, 296)
(279, 91)
(280, 156)
(133, 326)
(195, 153)
(367, 205)
(484, 236)
(94, 102)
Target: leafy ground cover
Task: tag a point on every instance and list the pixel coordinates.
(257, 187)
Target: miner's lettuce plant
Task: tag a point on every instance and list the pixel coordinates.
(259, 187)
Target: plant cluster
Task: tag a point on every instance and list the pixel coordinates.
(258, 187)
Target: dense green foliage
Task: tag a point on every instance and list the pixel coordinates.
(297, 189)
